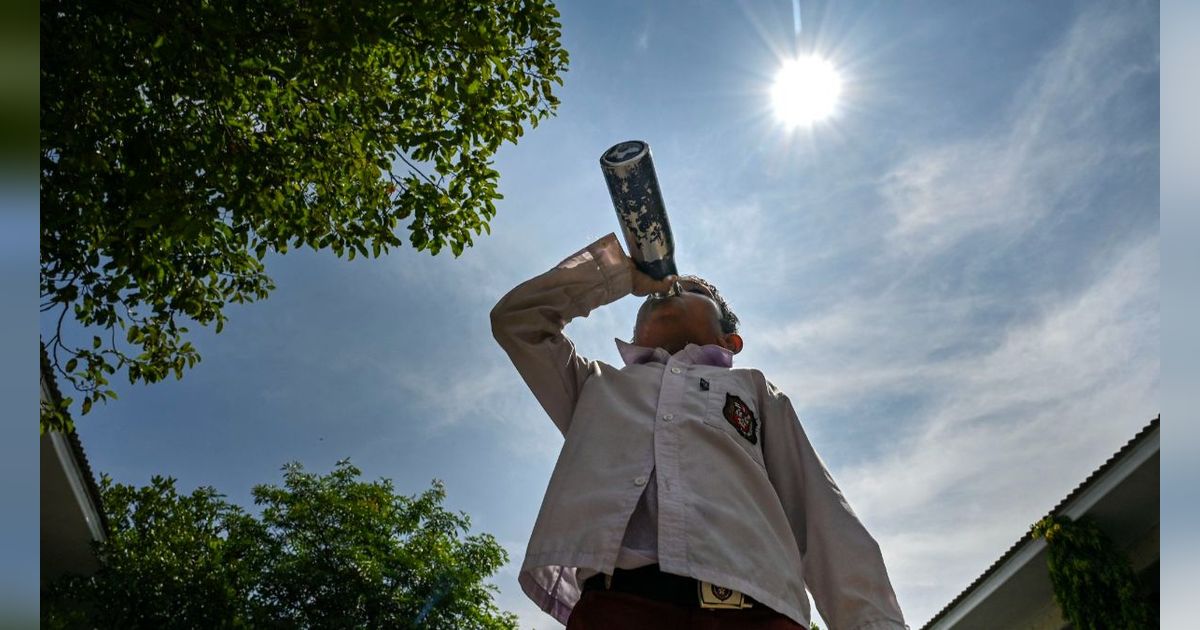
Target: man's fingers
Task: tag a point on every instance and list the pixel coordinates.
(643, 284)
(667, 284)
(657, 286)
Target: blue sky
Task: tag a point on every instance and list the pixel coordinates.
(955, 279)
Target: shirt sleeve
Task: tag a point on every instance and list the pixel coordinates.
(842, 564)
(528, 323)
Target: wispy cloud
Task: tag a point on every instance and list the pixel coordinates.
(1061, 129)
(1021, 390)
(643, 39)
(1012, 431)
(485, 394)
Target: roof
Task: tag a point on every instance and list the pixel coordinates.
(1079, 490)
(73, 439)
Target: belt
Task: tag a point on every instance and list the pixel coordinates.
(651, 583)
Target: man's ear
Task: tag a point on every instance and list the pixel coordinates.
(733, 343)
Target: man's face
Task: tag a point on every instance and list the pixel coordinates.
(673, 322)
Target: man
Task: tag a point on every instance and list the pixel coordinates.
(686, 493)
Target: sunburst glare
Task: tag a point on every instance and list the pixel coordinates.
(806, 90)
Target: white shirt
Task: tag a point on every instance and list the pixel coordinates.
(743, 500)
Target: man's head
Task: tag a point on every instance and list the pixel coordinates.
(698, 315)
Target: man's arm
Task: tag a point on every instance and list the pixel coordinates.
(528, 322)
(843, 567)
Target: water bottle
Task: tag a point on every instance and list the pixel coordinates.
(629, 173)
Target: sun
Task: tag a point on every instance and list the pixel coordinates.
(806, 90)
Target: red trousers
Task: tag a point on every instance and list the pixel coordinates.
(605, 610)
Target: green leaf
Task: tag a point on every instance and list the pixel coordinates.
(197, 158)
(197, 560)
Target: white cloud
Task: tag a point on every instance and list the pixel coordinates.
(1057, 137)
(1011, 416)
(482, 393)
(1012, 431)
(866, 345)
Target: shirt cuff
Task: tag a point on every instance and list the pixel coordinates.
(610, 259)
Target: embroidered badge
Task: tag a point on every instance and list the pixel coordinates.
(703, 385)
(713, 596)
(739, 415)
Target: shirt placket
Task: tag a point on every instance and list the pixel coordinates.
(668, 442)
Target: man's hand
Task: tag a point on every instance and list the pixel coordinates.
(644, 284)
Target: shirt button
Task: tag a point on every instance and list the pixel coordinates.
(669, 417)
(640, 481)
(675, 370)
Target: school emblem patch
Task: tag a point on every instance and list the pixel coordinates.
(739, 415)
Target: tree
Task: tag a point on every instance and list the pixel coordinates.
(328, 551)
(1093, 583)
(183, 141)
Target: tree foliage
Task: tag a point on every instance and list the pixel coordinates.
(1093, 583)
(182, 141)
(327, 551)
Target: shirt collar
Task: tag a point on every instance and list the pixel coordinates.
(709, 354)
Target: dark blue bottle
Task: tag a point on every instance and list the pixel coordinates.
(637, 198)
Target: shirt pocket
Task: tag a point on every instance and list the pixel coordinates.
(734, 412)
